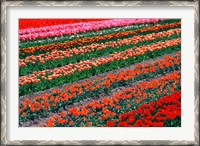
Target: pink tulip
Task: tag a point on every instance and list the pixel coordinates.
(79, 27)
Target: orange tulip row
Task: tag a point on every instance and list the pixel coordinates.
(46, 101)
(135, 94)
(87, 65)
(68, 53)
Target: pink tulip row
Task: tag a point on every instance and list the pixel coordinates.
(60, 30)
(87, 65)
(59, 54)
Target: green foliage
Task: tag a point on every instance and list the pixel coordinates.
(173, 123)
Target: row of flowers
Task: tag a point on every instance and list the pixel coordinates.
(69, 52)
(94, 39)
(153, 114)
(91, 54)
(95, 70)
(77, 92)
(99, 112)
(85, 35)
(35, 23)
(68, 29)
(87, 65)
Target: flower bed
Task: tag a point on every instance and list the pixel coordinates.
(100, 72)
(37, 23)
(60, 30)
(96, 50)
(77, 92)
(100, 112)
(154, 114)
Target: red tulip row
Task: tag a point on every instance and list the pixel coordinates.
(68, 53)
(35, 23)
(49, 100)
(71, 29)
(108, 108)
(87, 65)
(153, 114)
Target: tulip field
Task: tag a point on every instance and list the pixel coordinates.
(100, 72)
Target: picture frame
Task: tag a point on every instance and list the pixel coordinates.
(4, 59)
